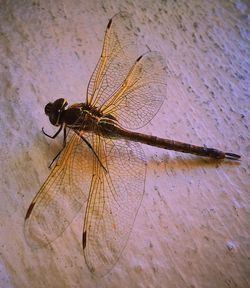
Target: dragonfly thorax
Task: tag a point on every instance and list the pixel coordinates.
(79, 116)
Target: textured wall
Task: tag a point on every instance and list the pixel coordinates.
(193, 227)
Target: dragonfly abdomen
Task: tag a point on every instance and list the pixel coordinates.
(175, 145)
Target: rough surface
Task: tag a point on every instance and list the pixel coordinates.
(193, 227)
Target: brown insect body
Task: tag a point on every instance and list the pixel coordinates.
(102, 163)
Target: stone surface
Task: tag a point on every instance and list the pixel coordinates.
(193, 227)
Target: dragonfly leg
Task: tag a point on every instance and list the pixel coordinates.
(54, 136)
(92, 149)
(57, 155)
(64, 143)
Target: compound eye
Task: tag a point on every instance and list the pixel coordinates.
(65, 104)
(54, 111)
(48, 109)
(60, 104)
(53, 118)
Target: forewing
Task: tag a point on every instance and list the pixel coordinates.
(142, 93)
(118, 54)
(61, 196)
(114, 200)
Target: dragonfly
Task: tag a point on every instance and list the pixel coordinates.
(103, 164)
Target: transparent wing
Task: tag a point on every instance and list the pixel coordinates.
(118, 54)
(61, 196)
(113, 203)
(129, 89)
(142, 93)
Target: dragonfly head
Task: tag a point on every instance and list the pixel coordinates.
(54, 111)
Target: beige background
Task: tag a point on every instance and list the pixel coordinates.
(193, 227)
